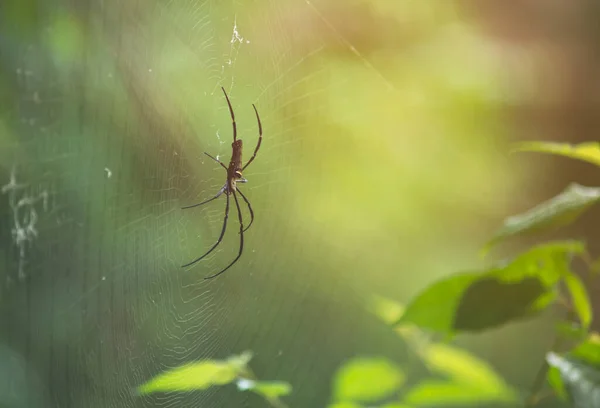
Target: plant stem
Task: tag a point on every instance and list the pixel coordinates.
(537, 385)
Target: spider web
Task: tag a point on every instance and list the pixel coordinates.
(91, 196)
(103, 147)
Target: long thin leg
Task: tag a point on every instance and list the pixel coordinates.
(259, 138)
(207, 201)
(232, 115)
(217, 160)
(249, 208)
(220, 237)
(239, 211)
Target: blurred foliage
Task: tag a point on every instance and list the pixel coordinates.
(376, 114)
(466, 302)
(576, 375)
(208, 373)
(363, 382)
(588, 152)
(482, 300)
(367, 380)
(271, 390)
(579, 298)
(199, 376)
(559, 211)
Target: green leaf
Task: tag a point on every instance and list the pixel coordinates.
(581, 301)
(571, 330)
(549, 261)
(464, 368)
(198, 376)
(559, 211)
(471, 379)
(344, 404)
(268, 389)
(272, 389)
(435, 392)
(579, 368)
(589, 152)
(479, 301)
(367, 380)
(240, 362)
(588, 350)
(435, 307)
(556, 382)
(491, 302)
(473, 302)
(581, 380)
(390, 311)
(386, 309)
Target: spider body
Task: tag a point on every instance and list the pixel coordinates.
(234, 176)
(234, 171)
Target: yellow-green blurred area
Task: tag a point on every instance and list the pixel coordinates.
(384, 166)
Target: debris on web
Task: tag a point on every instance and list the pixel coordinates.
(24, 207)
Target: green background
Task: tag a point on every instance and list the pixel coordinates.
(384, 166)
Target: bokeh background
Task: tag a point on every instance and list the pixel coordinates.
(384, 165)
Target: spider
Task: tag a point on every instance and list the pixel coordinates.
(234, 176)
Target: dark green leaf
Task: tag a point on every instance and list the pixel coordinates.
(556, 212)
(478, 301)
(579, 296)
(589, 152)
(474, 302)
(581, 380)
(197, 376)
(367, 380)
(490, 302)
(435, 307)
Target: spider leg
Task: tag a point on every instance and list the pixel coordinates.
(239, 211)
(259, 139)
(217, 160)
(232, 115)
(209, 200)
(220, 237)
(249, 208)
